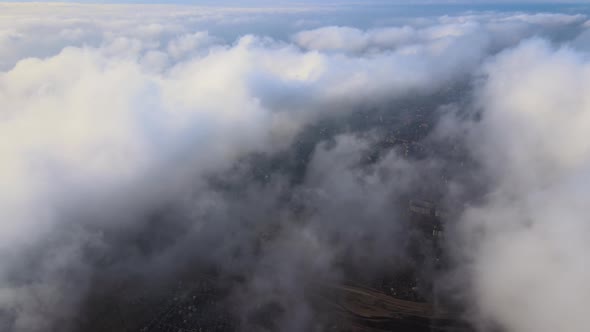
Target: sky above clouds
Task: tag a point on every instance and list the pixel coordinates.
(138, 140)
(250, 3)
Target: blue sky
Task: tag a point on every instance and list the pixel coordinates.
(268, 2)
(436, 7)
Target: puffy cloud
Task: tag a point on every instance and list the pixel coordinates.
(530, 232)
(137, 144)
(497, 30)
(98, 135)
(33, 30)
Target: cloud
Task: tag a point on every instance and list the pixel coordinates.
(498, 30)
(531, 227)
(138, 145)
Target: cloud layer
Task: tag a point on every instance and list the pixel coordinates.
(137, 145)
